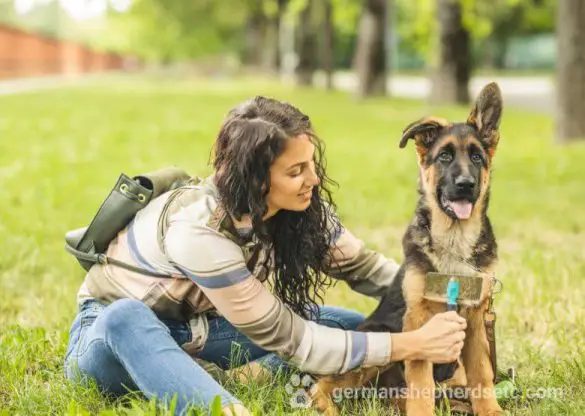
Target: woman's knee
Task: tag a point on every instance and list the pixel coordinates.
(123, 314)
(338, 317)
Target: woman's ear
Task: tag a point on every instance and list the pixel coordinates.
(485, 116)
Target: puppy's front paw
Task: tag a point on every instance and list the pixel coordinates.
(321, 396)
(490, 410)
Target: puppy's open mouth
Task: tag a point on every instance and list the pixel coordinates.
(460, 209)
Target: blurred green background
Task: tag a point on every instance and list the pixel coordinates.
(506, 34)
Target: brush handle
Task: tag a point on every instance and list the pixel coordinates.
(452, 294)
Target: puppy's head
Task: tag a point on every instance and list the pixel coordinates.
(455, 158)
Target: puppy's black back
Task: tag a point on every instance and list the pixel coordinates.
(388, 316)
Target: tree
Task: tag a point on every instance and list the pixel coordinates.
(306, 45)
(571, 70)
(451, 77)
(491, 25)
(178, 30)
(507, 19)
(273, 46)
(505, 25)
(255, 34)
(328, 50)
(46, 18)
(370, 53)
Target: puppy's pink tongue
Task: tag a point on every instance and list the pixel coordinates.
(461, 208)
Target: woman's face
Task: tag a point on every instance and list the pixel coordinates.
(292, 176)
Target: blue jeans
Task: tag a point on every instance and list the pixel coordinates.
(125, 347)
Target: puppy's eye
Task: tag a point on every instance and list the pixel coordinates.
(476, 157)
(445, 157)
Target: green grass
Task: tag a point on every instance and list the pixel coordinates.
(61, 151)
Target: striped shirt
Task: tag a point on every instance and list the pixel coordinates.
(202, 243)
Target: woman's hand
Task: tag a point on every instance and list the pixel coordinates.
(440, 340)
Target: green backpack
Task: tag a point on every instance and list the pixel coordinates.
(129, 195)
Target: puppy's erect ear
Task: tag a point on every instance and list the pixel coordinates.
(486, 115)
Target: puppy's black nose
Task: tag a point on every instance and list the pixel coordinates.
(465, 182)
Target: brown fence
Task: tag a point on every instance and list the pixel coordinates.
(24, 54)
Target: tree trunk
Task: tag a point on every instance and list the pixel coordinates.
(271, 58)
(452, 75)
(328, 53)
(370, 54)
(255, 34)
(282, 6)
(306, 47)
(271, 52)
(570, 123)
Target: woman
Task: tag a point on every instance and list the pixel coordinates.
(264, 220)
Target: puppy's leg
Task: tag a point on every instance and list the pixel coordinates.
(476, 359)
(456, 388)
(418, 373)
(327, 386)
(459, 377)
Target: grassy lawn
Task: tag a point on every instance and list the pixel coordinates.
(61, 152)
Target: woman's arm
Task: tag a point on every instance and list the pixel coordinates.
(366, 271)
(216, 265)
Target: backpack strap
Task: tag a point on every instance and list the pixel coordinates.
(100, 258)
(219, 221)
(181, 197)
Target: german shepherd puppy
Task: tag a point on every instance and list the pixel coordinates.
(451, 234)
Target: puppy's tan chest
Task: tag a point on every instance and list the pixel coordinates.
(449, 255)
(452, 258)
